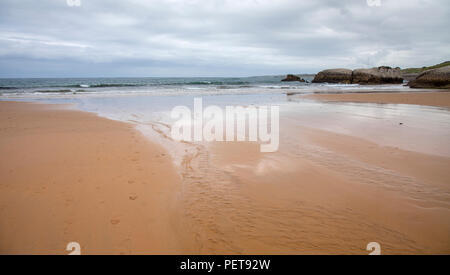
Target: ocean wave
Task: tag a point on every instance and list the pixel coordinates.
(201, 83)
(63, 91)
(27, 84)
(124, 85)
(176, 83)
(110, 85)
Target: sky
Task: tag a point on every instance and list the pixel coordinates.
(138, 38)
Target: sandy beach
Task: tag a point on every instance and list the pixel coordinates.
(334, 195)
(68, 176)
(439, 99)
(73, 176)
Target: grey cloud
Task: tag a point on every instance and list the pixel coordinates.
(217, 37)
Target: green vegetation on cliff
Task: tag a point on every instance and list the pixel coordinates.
(419, 70)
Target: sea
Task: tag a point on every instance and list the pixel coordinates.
(166, 86)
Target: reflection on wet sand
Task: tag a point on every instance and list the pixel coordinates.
(343, 177)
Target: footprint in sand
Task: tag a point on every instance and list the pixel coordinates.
(115, 221)
(133, 197)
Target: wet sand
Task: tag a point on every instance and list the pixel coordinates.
(440, 99)
(105, 186)
(68, 176)
(330, 194)
(321, 193)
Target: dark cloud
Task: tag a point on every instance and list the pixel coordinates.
(217, 37)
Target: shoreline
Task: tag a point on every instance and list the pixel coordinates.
(432, 98)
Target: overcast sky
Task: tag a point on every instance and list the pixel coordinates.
(50, 38)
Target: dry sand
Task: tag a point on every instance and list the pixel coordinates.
(68, 176)
(440, 99)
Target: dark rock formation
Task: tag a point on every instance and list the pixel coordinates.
(380, 75)
(410, 76)
(291, 77)
(435, 78)
(334, 76)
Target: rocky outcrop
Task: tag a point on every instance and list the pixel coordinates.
(410, 76)
(334, 76)
(291, 77)
(435, 78)
(380, 75)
